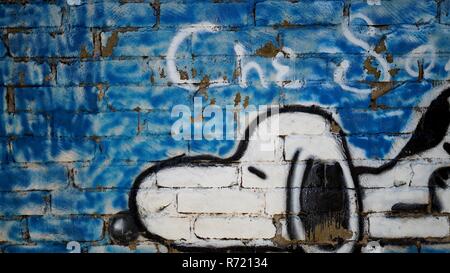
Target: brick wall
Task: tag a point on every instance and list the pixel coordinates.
(87, 91)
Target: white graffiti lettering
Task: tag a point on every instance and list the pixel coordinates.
(416, 57)
(173, 73)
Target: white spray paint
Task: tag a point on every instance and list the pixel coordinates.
(315, 140)
(341, 70)
(284, 70)
(73, 2)
(339, 77)
(73, 247)
(411, 62)
(349, 35)
(247, 67)
(172, 71)
(374, 2)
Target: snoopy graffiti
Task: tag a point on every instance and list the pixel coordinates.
(300, 188)
(223, 203)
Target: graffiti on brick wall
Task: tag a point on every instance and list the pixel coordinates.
(243, 68)
(322, 200)
(96, 157)
(322, 196)
(410, 64)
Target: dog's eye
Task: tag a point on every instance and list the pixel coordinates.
(257, 172)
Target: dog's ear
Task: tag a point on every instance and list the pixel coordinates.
(431, 128)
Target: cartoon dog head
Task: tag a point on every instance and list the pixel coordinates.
(278, 190)
(296, 189)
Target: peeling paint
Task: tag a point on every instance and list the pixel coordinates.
(112, 41)
(370, 68)
(237, 99)
(10, 100)
(88, 116)
(268, 50)
(203, 86)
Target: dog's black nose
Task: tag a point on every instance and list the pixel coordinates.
(123, 229)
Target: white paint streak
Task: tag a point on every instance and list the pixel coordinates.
(284, 70)
(419, 227)
(73, 2)
(374, 2)
(415, 55)
(247, 67)
(339, 75)
(172, 70)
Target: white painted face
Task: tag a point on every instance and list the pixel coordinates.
(235, 203)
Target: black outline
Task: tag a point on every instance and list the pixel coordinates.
(257, 172)
(207, 160)
(309, 166)
(430, 131)
(437, 180)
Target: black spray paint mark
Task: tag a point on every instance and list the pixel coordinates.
(447, 147)
(257, 172)
(430, 131)
(411, 208)
(325, 204)
(206, 160)
(438, 179)
(290, 209)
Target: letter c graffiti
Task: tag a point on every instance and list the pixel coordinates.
(173, 73)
